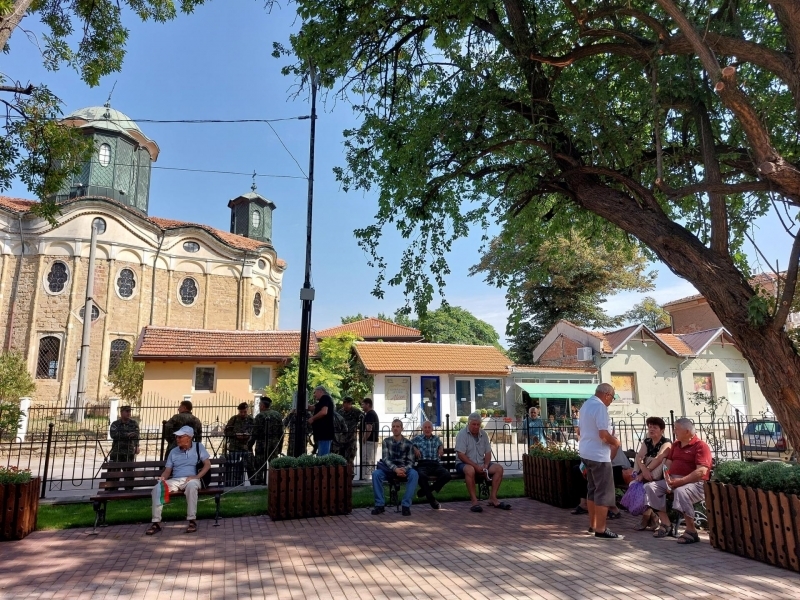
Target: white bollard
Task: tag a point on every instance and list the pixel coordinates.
(113, 408)
(22, 429)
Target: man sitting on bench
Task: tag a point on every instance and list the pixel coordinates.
(428, 450)
(398, 460)
(181, 474)
(474, 452)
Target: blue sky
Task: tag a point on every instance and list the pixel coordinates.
(217, 64)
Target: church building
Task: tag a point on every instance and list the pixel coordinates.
(149, 271)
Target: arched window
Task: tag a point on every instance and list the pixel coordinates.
(257, 304)
(49, 350)
(191, 246)
(118, 348)
(126, 282)
(57, 277)
(188, 291)
(95, 312)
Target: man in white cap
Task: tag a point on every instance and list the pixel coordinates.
(181, 474)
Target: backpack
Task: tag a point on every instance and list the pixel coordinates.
(341, 434)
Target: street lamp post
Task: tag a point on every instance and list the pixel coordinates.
(307, 292)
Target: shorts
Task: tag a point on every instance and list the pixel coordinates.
(600, 483)
(460, 467)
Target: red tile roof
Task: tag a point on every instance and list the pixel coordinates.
(170, 343)
(457, 359)
(559, 369)
(765, 280)
(20, 205)
(676, 344)
(372, 328)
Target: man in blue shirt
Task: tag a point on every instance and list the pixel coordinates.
(428, 450)
(534, 427)
(181, 474)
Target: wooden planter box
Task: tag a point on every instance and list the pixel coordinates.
(310, 492)
(753, 523)
(19, 503)
(551, 481)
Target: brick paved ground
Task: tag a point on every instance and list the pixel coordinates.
(533, 551)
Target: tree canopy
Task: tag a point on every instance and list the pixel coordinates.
(649, 313)
(86, 35)
(452, 325)
(675, 121)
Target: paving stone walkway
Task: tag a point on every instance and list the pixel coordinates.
(532, 551)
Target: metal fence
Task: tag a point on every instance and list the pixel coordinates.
(69, 455)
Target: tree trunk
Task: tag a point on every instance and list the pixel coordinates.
(9, 22)
(767, 349)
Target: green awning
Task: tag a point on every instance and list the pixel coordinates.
(559, 390)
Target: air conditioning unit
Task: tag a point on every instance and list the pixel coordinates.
(584, 353)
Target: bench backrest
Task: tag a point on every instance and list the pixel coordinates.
(449, 459)
(118, 476)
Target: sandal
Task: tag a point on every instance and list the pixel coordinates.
(154, 528)
(661, 532)
(475, 508)
(688, 537)
(501, 505)
(192, 528)
(579, 510)
(650, 522)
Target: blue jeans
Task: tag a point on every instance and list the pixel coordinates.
(323, 447)
(379, 477)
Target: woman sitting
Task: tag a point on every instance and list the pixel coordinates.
(648, 463)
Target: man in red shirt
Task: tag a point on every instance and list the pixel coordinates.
(687, 466)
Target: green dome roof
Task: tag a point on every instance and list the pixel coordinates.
(105, 117)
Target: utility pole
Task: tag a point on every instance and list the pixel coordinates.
(307, 292)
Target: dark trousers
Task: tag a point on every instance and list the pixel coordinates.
(431, 468)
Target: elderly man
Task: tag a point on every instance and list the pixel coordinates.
(322, 421)
(474, 460)
(597, 448)
(181, 474)
(533, 426)
(398, 460)
(687, 466)
(428, 449)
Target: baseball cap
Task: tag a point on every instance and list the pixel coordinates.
(185, 430)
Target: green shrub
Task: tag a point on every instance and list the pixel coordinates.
(730, 472)
(770, 476)
(331, 460)
(14, 475)
(307, 460)
(553, 452)
(283, 462)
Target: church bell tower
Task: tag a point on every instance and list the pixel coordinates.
(251, 216)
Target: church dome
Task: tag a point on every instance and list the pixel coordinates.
(105, 117)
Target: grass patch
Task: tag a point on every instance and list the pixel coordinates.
(238, 504)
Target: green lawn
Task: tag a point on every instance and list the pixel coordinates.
(239, 504)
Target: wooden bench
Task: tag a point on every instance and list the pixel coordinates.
(132, 480)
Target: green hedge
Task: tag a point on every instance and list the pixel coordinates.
(307, 460)
(769, 476)
(553, 452)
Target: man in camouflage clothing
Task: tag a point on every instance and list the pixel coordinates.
(237, 451)
(289, 421)
(183, 418)
(124, 434)
(352, 418)
(267, 438)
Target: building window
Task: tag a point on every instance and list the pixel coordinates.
(262, 264)
(398, 395)
(488, 394)
(95, 312)
(49, 350)
(463, 397)
(256, 219)
(57, 277)
(259, 378)
(204, 379)
(625, 387)
(104, 154)
(191, 246)
(257, 304)
(118, 348)
(126, 282)
(703, 384)
(188, 291)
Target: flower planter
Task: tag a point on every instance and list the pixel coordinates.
(19, 503)
(303, 492)
(551, 481)
(753, 523)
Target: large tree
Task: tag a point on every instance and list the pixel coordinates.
(452, 325)
(552, 274)
(648, 312)
(677, 121)
(87, 35)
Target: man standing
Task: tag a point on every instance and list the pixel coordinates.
(183, 418)
(181, 474)
(597, 447)
(369, 441)
(428, 450)
(352, 418)
(267, 437)
(322, 421)
(398, 459)
(237, 450)
(474, 453)
(688, 465)
(124, 434)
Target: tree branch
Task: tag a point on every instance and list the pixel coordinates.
(787, 297)
(15, 89)
(712, 176)
(9, 22)
(714, 188)
(644, 194)
(592, 50)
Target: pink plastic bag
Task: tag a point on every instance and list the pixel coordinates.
(634, 499)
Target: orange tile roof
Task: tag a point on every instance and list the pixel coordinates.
(559, 369)
(170, 343)
(676, 343)
(234, 241)
(457, 359)
(372, 328)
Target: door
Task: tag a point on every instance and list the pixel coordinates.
(737, 397)
(463, 397)
(430, 399)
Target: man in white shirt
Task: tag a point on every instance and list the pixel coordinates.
(597, 447)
